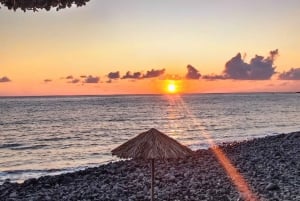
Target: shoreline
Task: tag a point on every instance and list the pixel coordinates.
(270, 165)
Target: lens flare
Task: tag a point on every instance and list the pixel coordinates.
(233, 173)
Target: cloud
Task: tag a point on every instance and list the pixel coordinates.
(273, 54)
(259, 68)
(91, 80)
(138, 75)
(213, 77)
(236, 68)
(47, 80)
(153, 73)
(135, 75)
(114, 75)
(74, 81)
(82, 76)
(5, 79)
(292, 74)
(192, 73)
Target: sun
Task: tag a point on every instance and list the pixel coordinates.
(171, 88)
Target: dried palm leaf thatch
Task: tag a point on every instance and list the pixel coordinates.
(35, 5)
(152, 144)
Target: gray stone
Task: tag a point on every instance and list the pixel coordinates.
(172, 178)
(272, 187)
(133, 197)
(13, 194)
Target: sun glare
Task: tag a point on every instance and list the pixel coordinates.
(171, 87)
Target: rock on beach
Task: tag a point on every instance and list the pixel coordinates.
(270, 166)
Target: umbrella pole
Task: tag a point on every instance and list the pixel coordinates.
(152, 179)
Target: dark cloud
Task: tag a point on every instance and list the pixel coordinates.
(273, 54)
(236, 68)
(259, 68)
(91, 80)
(153, 73)
(70, 77)
(138, 75)
(82, 76)
(5, 79)
(135, 75)
(114, 75)
(292, 74)
(74, 81)
(47, 80)
(192, 73)
(213, 77)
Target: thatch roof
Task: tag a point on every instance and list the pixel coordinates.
(152, 144)
(35, 5)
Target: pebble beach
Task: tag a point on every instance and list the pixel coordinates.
(270, 166)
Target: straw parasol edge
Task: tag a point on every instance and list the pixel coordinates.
(152, 144)
(35, 5)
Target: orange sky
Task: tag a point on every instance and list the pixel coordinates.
(139, 36)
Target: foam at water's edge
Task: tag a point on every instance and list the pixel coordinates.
(20, 176)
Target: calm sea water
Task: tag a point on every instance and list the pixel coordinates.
(51, 135)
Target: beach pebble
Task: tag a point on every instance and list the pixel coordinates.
(272, 187)
(13, 195)
(200, 177)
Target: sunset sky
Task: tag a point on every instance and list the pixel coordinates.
(204, 46)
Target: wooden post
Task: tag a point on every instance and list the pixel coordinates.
(152, 179)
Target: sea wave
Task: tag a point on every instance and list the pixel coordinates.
(63, 132)
(38, 146)
(54, 139)
(10, 145)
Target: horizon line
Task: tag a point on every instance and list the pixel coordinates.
(146, 94)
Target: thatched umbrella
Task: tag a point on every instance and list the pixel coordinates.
(35, 5)
(151, 145)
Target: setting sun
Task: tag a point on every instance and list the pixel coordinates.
(172, 88)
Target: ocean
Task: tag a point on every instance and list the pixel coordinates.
(53, 135)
